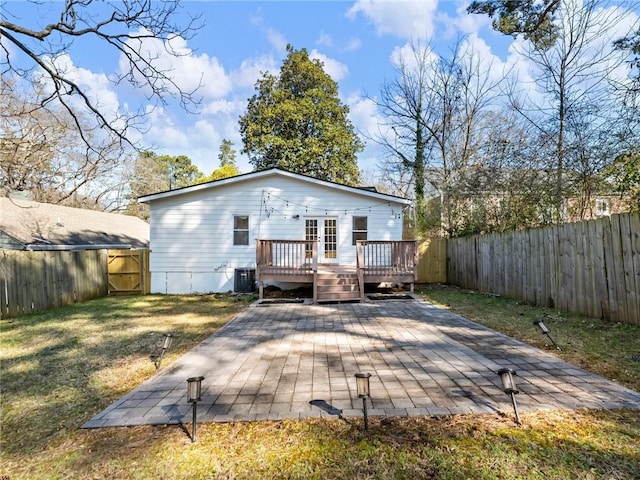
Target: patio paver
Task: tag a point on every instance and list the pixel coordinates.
(284, 361)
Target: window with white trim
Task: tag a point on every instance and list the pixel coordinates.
(602, 206)
(241, 229)
(359, 230)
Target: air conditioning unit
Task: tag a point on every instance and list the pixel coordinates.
(244, 280)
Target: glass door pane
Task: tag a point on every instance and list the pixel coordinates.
(310, 233)
(330, 238)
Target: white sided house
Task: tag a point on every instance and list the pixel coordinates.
(280, 228)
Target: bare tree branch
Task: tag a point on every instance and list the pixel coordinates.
(123, 25)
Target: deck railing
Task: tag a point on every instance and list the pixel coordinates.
(286, 257)
(387, 260)
(393, 261)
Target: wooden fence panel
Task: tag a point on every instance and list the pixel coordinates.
(590, 267)
(630, 239)
(35, 281)
(610, 271)
(432, 260)
(634, 223)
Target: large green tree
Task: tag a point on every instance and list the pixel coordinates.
(532, 18)
(296, 122)
(153, 173)
(227, 155)
(228, 167)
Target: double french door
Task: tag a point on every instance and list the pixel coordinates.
(325, 231)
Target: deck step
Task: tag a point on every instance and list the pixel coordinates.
(337, 287)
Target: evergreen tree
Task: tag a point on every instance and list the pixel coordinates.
(296, 122)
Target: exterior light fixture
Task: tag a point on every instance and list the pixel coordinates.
(363, 390)
(543, 328)
(509, 387)
(168, 340)
(166, 345)
(194, 395)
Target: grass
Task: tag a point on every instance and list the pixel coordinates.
(609, 349)
(61, 367)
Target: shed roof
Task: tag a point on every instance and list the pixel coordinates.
(40, 226)
(238, 179)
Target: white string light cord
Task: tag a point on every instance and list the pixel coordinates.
(271, 206)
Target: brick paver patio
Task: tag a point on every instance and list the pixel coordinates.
(282, 361)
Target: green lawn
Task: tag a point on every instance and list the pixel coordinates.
(608, 348)
(61, 367)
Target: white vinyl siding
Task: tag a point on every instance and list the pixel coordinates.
(192, 234)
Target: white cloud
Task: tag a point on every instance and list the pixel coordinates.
(352, 45)
(404, 19)
(464, 22)
(251, 70)
(405, 55)
(223, 107)
(164, 132)
(277, 40)
(336, 70)
(324, 39)
(370, 125)
(181, 66)
(364, 114)
(96, 86)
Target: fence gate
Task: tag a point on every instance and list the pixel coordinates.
(128, 272)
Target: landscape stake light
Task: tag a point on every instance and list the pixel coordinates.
(509, 387)
(543, 328)
(166, 344)
(362, 387)
(194, 395)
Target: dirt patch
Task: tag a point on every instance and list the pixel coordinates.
(272, 292)
(390, 296)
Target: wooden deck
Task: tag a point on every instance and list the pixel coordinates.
(296, 261)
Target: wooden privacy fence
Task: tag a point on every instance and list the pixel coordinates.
(590, 267)
(36, 281)
(432, 260)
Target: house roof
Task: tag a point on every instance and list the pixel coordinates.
(365, 191)
(44, 226)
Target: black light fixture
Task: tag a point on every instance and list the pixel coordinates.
(509, 387)
(167, 340)
(543, 328)
(194, 395)
(362, 388)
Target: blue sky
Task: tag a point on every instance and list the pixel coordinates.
(356, 40)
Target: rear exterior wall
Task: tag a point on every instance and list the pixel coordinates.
(192, 248)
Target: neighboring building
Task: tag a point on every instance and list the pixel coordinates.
(207, 237)
(28, 225)
(597, 206)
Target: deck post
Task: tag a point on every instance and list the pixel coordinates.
(314, 267)
(360, 268)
